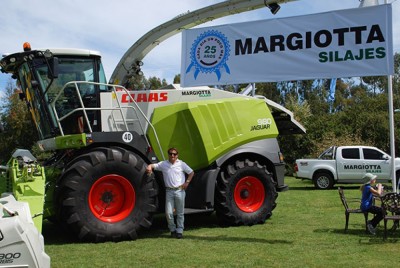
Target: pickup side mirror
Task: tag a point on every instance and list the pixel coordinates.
(385, 157)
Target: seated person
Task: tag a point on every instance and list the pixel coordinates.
(367, 201)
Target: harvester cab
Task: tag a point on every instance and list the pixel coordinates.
(63, 89)
(44, 76)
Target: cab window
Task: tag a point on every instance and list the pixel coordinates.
(351, 153)
(372, 154)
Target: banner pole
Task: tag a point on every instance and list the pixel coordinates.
(392, 138)
(391, 126)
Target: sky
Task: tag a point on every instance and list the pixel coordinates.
(112, 27)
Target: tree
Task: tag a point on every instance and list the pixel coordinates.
(295, 146)
(136, 82)
(19, 130)
(367, 115)
(156, 83)
(270, 91)
(177, 79)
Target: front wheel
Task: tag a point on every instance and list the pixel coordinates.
(245, 194)
(105, 195)
(323, 180)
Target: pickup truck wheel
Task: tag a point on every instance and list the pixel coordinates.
(245, 194)
(323, 180)
(105, 195)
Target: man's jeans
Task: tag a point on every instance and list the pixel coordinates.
(175, 199)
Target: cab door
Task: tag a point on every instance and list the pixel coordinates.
(376, 162)
(349, 164)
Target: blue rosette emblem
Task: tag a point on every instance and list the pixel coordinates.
(209, 54)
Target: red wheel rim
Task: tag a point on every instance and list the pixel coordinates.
(112, 198)
(249, 194)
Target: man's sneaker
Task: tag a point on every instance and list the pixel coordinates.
(371, 229)
(173, 234)
(179, 235)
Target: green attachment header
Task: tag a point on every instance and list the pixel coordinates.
(74, 141)
(202, 131)
(28, 185)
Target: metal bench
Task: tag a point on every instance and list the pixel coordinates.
(348, 210)
(390, 203)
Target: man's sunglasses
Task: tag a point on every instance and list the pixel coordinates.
(172, 153)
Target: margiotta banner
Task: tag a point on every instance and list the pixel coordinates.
(345, 43)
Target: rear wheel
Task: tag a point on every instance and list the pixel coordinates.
(245, 194)
(105, 195)
(323, 180)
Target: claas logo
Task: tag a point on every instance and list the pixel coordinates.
(145, 97)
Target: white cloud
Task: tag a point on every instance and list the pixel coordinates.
(111, 27)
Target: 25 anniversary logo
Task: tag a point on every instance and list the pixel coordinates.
(209, 54)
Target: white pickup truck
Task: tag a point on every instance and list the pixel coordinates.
(346, 164)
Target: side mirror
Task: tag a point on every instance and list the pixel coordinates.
(21, 95)
(53, 68)
(385, 157)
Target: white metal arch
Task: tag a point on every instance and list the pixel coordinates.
(128, 65)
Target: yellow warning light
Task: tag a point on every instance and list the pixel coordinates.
(27, 46)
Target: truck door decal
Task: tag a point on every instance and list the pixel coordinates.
(367, 168)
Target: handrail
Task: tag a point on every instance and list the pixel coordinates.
(119, 108)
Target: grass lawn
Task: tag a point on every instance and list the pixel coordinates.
(305, 230)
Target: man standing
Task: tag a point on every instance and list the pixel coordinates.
(174, 171)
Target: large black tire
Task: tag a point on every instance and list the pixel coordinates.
(323, 181)
(245, 194)
(105, 195)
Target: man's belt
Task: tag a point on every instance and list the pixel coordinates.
(174, 188)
